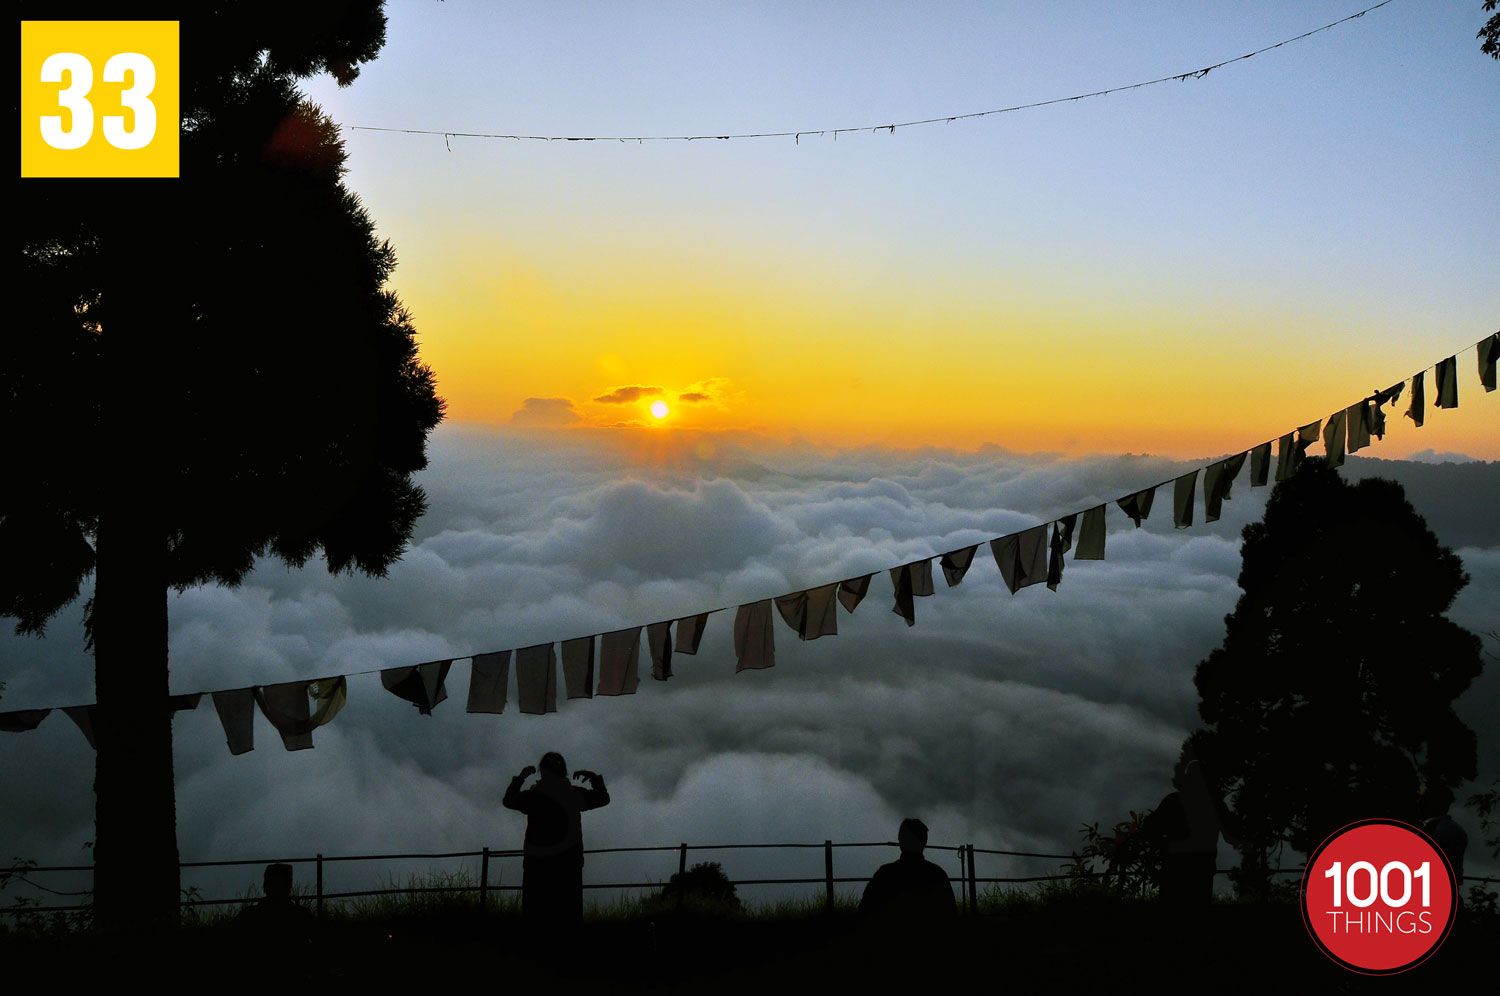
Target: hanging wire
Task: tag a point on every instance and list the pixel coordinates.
(797, 134)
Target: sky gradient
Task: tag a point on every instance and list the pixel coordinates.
(1185, 269)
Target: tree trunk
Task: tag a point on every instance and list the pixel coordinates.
(136, 884)
(135, 814)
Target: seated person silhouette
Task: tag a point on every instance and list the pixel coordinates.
(911, 887)
(552, 855)
(275, 917)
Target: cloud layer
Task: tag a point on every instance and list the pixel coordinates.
(1003, 720)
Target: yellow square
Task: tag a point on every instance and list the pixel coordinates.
(99, 98)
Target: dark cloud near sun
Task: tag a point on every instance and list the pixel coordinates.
(546, 413)
(628, 395)
(1003, 720)
(709, 391)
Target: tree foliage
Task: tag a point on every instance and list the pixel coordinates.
(296, 407)
(1490, 33)
(1331, 696)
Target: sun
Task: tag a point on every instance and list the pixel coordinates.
(659, 409)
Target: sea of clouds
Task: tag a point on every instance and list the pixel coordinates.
(1005, 721)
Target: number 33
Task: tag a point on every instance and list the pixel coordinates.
(74, 99)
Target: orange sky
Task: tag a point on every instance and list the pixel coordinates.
(792, 347)
(1186, 269)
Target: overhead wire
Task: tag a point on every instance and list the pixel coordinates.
(799, 133)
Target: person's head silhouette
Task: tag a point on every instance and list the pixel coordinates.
(552, 763)
(912, 837)
(277, 883)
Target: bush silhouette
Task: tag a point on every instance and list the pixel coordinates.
(702, 889)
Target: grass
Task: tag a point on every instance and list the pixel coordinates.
(459, 900)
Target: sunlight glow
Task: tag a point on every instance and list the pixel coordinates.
(659, 409)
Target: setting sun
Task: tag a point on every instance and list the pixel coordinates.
(659, 409)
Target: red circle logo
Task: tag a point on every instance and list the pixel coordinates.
(1378, 897)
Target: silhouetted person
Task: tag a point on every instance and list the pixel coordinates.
(1451, 838)
(275, 918)
(552, 862)
(1188, 822)
(911, 887)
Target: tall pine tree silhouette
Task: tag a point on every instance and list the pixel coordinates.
(203, 371)
(1331, 697)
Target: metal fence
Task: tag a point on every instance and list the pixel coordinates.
(967, 882)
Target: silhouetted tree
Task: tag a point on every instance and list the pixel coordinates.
(1331, 697)
(201, 372)
(1490, 33)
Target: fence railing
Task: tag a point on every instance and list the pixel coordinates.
(967, 882)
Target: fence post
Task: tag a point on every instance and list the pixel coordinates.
(484, 881)
(682, 871)
(973, 884)
(319, 907)
(828, 873)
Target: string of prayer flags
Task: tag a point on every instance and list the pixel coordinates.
(536, 679)
(26, 720)
(578, 665)
(1260, 465)
(1022, 557)
(421, 684)
(853, 590)
(236, 709)
(1091, 535)
(812, 613)
(659, 642)
(690, 632)
(911, 581)
(619, 662)
(754, 639)
(489, 675)
(1446, 375)
(1415, 408)
(1138, 505)
(1218, 482)
(296, 708)
(955, 564)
